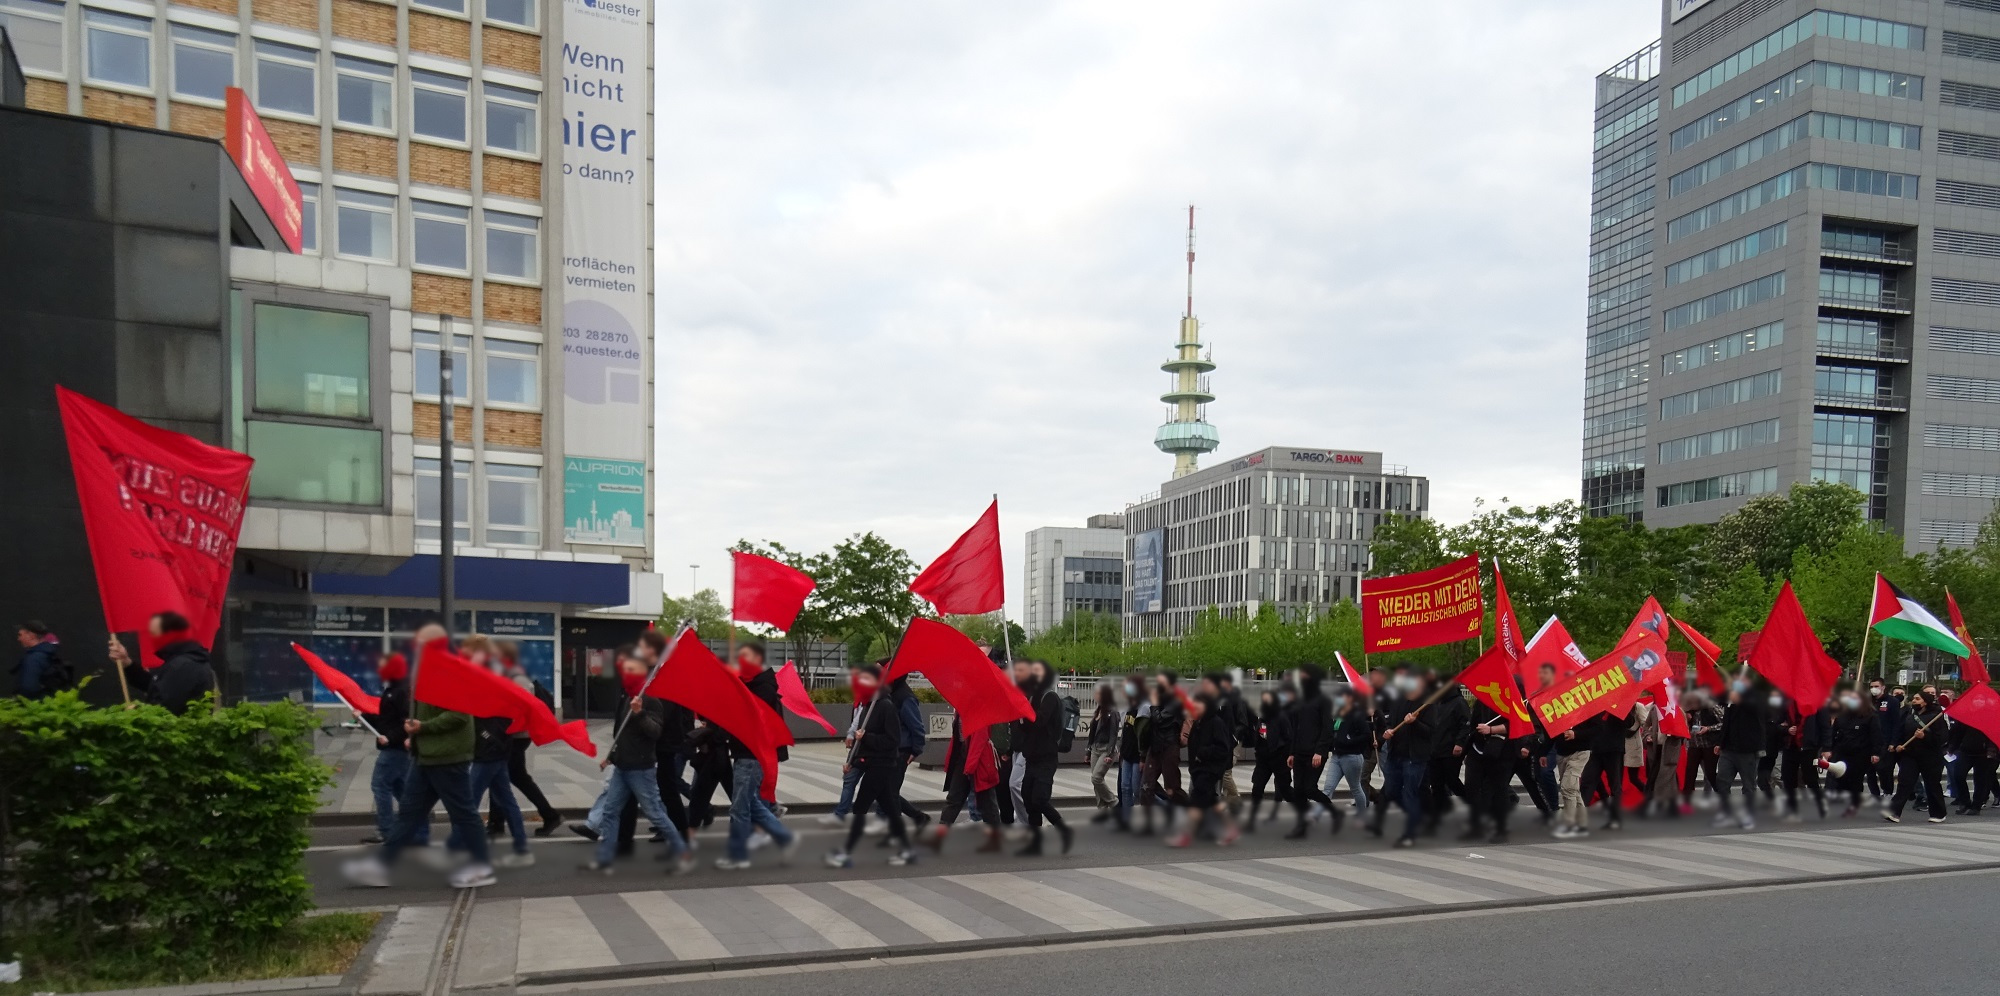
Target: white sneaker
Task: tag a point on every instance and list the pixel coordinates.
(724, 864)
(517, 859)
(875, 825)
(473, 876)
(901, 858)
(759, 840)
(1747, 822)
(1721, 820)
(838, 859)
(830, 820)
(786, 853)
(682, 865)
(368, 873)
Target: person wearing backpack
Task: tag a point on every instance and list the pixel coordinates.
(1038, 745)
(41, 672)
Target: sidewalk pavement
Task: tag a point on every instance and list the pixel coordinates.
(571, 780)
(655, 932)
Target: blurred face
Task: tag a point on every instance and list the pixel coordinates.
(1023, 670)
(750, 657)
(25, 638)
(1210, 688)
(1547, 675)
(632, 667)
(429, 632)
(867, 681)
(1377, 680)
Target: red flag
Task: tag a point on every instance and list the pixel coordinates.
(1424, 609)
(976, 687)
(1607, 685)
(767, 591)
(1673, 722)
(1491, 680)
(967, 579)
(792, 692)
(337, 682)
(448, 681)
(1978, 708)
(1789, 654)
(1651, 619)
(1974, 668)
(161, 511)
(1355, 678)
(1706, 654)
(1508, 628)
(1550, 645)
(692, 676)
(1644, 653)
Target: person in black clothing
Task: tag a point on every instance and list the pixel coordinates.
(1490, 759)
(1777, 733)
(970, 771)
(1035, 740)
(1102, 751)
(1854, 738)
(392, 755)
(1211, 747)
(509, 653)
(1738, 744)
(488, 773)
(41, 671)
(1976, 750)
(184, 676)
(1409, 738)
(1805, 735)
(634, 752)
(677, 726)
(1453, 722)
(1353, 742)
(1312, 742)
(748, 810)
(1160, 772)
(1889, 717)
(1919, 754)
(878, 752)
(1242, 726)
(1272, 743)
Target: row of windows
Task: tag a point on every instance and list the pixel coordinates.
(1618, 421)
(1974, 292)
(1966, 243)
(1614, 463)
(1821, 176)
(1723, 302)
(510, 504)
(1965, 340)
(1837, 127)
(1624, 166)
(1633, 120)
(365, 228)
(1865, 287)
(1623, 210)
(284, 79)
(1865, 336)
(1962, 485)
(1845, 27)
(1866, 385)
(1618, 379)
(1749, 482)
(1728, 254)
(1849, 449)
(1619, 295)
(1726, 348)
(1617, 338)
(1707, 444)
(1722, 395)
(1962, 437)
(1622, 252)
(1948, 388)
(511, 372)
(1833, 75)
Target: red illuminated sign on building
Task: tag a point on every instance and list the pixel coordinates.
(264, 168)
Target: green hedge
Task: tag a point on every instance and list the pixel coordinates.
(183, 834)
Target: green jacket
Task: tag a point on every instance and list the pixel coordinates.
(446, 737)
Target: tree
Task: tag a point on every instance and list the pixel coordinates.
(1767, 531)
(1836, 584)
(705, 608)
(985, 629)
(863, 598)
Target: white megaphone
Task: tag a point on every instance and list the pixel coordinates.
(1833, 769)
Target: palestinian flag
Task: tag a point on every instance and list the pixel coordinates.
(1898, 617)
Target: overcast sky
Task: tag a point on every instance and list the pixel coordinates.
(915, 253)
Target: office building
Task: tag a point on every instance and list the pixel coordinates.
(468, 178)
(1795, 263)
(1284, 526)
(1073, 569)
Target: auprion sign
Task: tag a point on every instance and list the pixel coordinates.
(1682, 8)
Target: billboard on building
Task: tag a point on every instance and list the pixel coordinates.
(606, 279)
(1682, 8)
(1149, 571)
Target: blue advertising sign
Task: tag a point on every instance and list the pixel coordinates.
(1149, 570)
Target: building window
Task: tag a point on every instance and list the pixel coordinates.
(430, 504)
(448, 6)
(311, 362)
(513, 505)
(366, 225)
(437, 105)
(1722, 395)
(513, 246)
(36, 28)
(513, 373)
(1723, 302)
(1728, 347)
(287, 79)
(204, 62)
(308, 216)
(1750, 482)
(364, 92)
(511, 116)
(118, 49)
(438, 234)
(1843, 450)
(315, 463)
(426, 347)
(516, 12)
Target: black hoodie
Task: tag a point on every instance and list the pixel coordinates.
(1274, 739)
(1036, 739)
(388, 718)
(1930, 746)
(1415, 740)
(764, 685)
(1312, 716)
(183, 677)
(1211, 746)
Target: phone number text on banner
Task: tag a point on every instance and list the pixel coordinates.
(1424, 609)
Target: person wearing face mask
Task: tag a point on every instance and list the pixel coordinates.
(878, 755)
(1160, 777)
(1378, 695)
(1036, 743)
(1102, 751)
(1353, 738)
(1312, 743)
(1777, 733)
(1853, 738)
(1211, 748)
(1441, 778)
(392, 755)
(747, 809)
(1704, 718)
(631, 775)
(490, 747)
(1272, 744)
(1409, 736)
(1919, 754)
(1739, 741)
(1133, 724)
(1889, 716)
(1976, 751)
(1489, 767)
(1805, 735)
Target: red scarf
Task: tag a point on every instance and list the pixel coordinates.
(394, 667)
(632, 682)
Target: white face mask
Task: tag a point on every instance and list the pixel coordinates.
(1777, 701)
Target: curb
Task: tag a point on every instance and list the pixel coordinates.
(345, 984)
(641, 970)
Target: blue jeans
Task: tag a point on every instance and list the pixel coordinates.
(490, 777)
(747, 810)
(1347, 766)
(1403, 783)
(848, 779)
(643, 785)
(427, 786)
(1128, 788)
(392, 770)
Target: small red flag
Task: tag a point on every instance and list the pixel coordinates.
(1673, 722)
(968, 578)
(1491, 680)
(1551, 645)
(1355, 678)
(1978, 708)
(1706, 654)
(982, 693)
(1509, 636)
(1607, 685)
(1651, 619)
(1789, 654)
(338, 682)
(1974, 668)
(693, 676)
(792, 692)
(448, 681)
(767, 591)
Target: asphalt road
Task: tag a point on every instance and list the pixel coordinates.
(555, 871)
(1926, 934)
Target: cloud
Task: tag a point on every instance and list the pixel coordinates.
(912, 254)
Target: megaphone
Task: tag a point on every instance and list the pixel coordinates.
(1833, 769)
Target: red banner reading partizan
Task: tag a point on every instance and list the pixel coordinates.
(1441, 605)
(162, 512)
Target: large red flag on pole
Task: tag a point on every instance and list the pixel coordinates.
(1424, 609)
(982, 693)
(1507, 627)
(1651, 618)
(1974, 668)
(161, 511)
(1978, 708)
(693, 676)
(339, 683)
(1491, 680)
(767, 591)
(967, 579)
(1551, 645)
(1790, 655)
(448, 681)
(792, 692)
(1706, 656)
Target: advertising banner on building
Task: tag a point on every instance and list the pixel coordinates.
(1149, 571)
(1422, 609)
(263, 167)
(606, 279)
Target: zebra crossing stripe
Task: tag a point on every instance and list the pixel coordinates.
(1066, 910)
(838, 930)
(1230, 905)
(1285, 889)
(1411, 888)
(931, 925)
(678, 929)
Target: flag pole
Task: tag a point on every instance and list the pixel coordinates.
(1861, 663)
(619, 728)
(363, 720)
